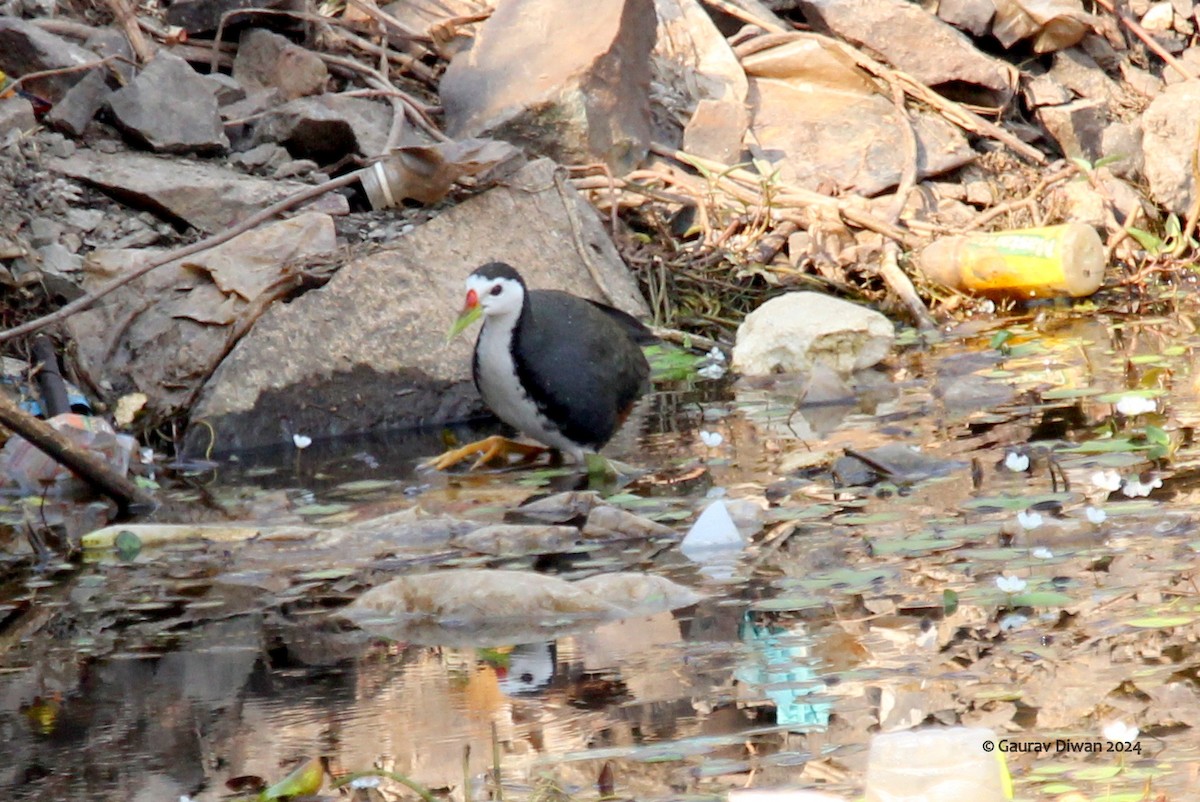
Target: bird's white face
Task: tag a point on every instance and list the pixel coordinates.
(498, 297)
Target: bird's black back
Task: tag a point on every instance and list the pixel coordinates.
(579, 362)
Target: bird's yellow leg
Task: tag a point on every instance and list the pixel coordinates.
(490, 449)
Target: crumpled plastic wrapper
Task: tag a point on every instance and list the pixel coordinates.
(36, 472)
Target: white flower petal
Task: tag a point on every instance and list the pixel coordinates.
(1016, 462)
(711, 439)
(1119, 731)
(1095, 515)
(1042, 553)
(1130, 405)
(1011, 584)
(1108, 480)
(301, 441)
(1029, 519)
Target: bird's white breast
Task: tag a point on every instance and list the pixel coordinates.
(503, 393)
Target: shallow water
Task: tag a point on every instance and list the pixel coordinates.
(868, 600)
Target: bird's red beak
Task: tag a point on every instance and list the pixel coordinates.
(470, 313)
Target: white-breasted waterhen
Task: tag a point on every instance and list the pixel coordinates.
(559, 369)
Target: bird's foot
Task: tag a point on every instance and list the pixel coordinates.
(489, 450)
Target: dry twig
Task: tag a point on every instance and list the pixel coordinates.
(133, 32)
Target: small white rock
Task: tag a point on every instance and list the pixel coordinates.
(792, 332)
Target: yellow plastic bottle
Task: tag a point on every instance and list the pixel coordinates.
(1046, 262)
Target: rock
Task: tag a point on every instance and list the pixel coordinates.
(328, 128)
(225, 88)
(1159, 18)
(171, 108)
(1189, 58)
(612, 523)
(639, 593)
(164, 333)
(370, 344)
(1143, 82)
(83, 219)
(913, 40)
(1078, 72)
(505, 540)
(105, 42)
(43, 231)
(463, 596)
(58, 260)
(819, 120)
(266, 60)
(558, 508)
(1081, 203)
(1169, 132)
(1121, 147)
(697, 77)
(79, 105)
(792, 332)
(1043, 90)
(265, 156)
(1077, 127)
(26, 48)
(579, 96)
(200, 16)
(16, 114)
(972, 16)
(206, 196)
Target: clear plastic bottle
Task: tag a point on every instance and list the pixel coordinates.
(1046, 262)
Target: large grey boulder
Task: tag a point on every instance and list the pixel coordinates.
(564, 83)
(367, 351)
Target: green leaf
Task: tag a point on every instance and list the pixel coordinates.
(128, 544)
(949, 602)
(1152, 244)
(304, 780)
(1096, 773)
(1161, 621)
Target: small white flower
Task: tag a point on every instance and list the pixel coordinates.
(1011, 584)
(366, 782)
(1095, 515)
(715, 355)
(1136, 488)
(147, 455)
(1130, 405)
(714, 371)
(1042, 553)
(711, 439)
(1108, 480)
(1016, 462)
(1120, 731)
(302, 441)
(1029, 519)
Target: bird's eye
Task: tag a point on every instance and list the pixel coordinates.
(497, 290)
